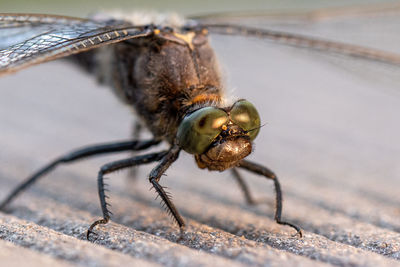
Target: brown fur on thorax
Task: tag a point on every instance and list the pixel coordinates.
(162, 77)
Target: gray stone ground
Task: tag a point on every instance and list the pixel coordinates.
(331, 134)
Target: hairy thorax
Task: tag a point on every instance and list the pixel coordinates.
(162, 76)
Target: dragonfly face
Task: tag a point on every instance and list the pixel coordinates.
(219, 138)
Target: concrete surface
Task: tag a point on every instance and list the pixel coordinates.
(331, 134)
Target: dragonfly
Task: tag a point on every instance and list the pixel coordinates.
(168, 73)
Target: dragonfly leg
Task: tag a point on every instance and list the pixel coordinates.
(112, 167)
(154, 179)
(137, 129)
(77, 154)
(243, 186)
(264, 171)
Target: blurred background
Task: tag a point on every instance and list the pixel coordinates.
(81, 8)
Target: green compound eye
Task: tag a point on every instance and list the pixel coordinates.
(197, 130)
(245, 115)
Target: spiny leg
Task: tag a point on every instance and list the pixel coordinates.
(243, 186)
(112, 167)
(264, 171)
(154, 179)
(76, 155)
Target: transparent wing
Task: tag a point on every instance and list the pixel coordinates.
(359, 44)
(297, 28)
(303, 15)
(27, 39)
(304, 41)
